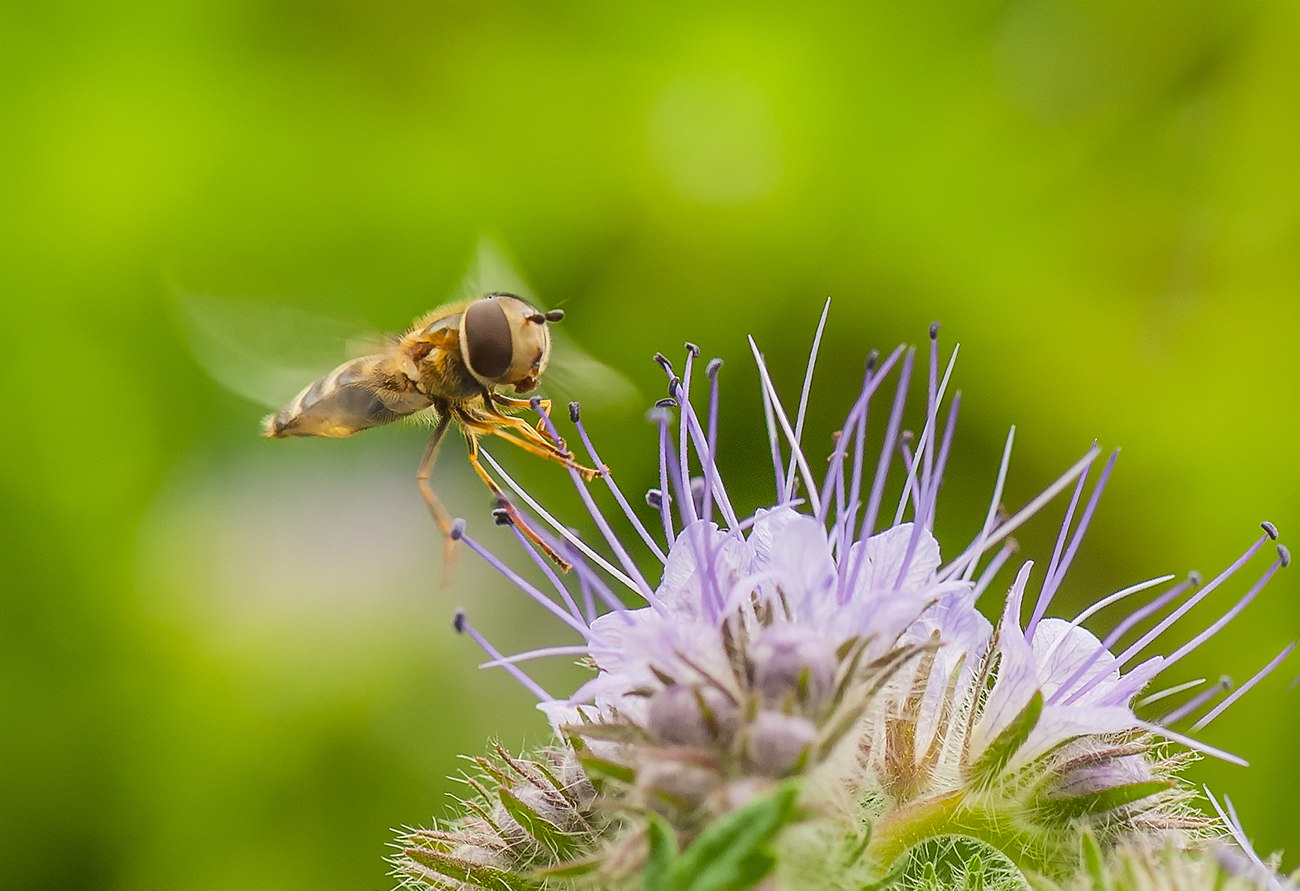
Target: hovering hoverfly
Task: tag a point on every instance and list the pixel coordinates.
(457, 361)
(457, 365)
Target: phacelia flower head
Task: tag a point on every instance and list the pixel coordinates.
(825, 651)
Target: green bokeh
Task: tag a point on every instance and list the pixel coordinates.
(1100, 200)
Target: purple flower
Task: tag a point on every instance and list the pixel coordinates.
(829, 623)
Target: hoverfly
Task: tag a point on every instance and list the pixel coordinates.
(455, 366)
(457, 361)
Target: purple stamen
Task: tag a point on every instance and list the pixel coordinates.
(803, 399)
(683, 397)
(681, 492)
(909, 466)
(1019, 518)
(1121, 629)
(1065, 528)
(892, 433)
(529, 655)
(545, 566)
(874, 379)
(1200, 595)
(1193, 580)
(993, 506)
(931, 409)
(778, 466)
(941, 465)
(1048, 591)
(1259, 676)
(855, 424)
(527, 587)
(1194, 744)
(555, 524)
(588, 602)
(923, 521)
(462, 625)
(1167, 692)
(796, 454)
(882, 466)
(710, 466)
(660, 417)
(1227, 617)
(576, 416)
(1196, 702)
(586, 574)
(615, 544)
(995, 566)
(927, 434)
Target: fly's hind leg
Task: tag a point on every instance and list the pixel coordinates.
(508, 506)
(440, 515)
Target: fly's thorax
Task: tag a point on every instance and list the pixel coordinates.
(504, 341)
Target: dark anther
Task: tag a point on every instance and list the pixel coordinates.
(1270, 529)
(666, 403)
(575, 412)
(712, 369)
(692, 349)
(655, 499)
(664, 363)
(535, 403)
(1283, 556)
(1195, 578)
(501, 517)
(872, 358)
(554, 315)
(1225, 682)
(537, 318)
(934, 330)
(1013, 545)
(459, 621)
(906, 437)
(457, 529)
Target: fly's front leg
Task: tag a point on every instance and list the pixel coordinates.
(544, 451)
(543, 407)
(508, 506)
(440, 515)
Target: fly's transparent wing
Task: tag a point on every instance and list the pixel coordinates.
(491, 271)
(263, 351)
(572, 374)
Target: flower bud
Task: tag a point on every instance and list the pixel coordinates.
(670, 783)
(777, 743)
(790, 659)
(684, 715)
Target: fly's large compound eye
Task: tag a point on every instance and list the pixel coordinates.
(489, 347)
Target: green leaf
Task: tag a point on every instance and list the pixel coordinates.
(998, 755)
(1098, 802)
(731, 855)
(537, 826)
(470, 873)
(662, 856)
(610, 769)
(1094, 861)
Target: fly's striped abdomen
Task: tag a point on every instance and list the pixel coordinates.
(360, 394)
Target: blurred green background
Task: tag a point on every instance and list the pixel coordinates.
(225, 662)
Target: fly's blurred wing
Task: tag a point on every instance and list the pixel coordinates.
(572, 374)
(491, 271)
(267, 352)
